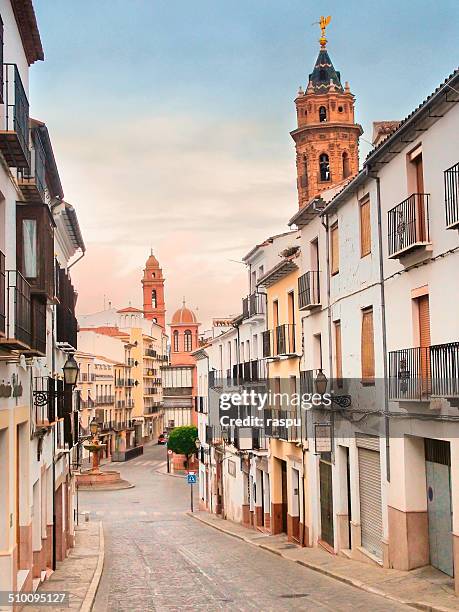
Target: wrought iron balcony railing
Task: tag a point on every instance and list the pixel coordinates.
(2, 295)
(14, 135)
(408, 225)
(452, 196)
(18, 311)
(309, 290)
(254, 305)
(105, 400)
(279, 341)
(423, 372)
(38, 339)
(32, 181)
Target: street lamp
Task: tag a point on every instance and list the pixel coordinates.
(71, 371)
(321, 383)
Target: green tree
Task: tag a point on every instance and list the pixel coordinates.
(182, 440)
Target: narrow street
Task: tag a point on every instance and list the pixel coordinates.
(158, 558)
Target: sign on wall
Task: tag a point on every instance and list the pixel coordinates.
(323, 438)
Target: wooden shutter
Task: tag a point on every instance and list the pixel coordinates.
(424, 340)
(334, 249)
(367, 348)
(338, 351)
(365, 229)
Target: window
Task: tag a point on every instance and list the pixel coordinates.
(176, 341)
(367, 348)
(29, 229)
(338, 353)
(334, 241)
(153, 298)
(188, 341)
(365, 228)
(322, 114)
(346, 166)
(324, 167)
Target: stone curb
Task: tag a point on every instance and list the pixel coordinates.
(94, 585)
(160, 471)
(317, 568)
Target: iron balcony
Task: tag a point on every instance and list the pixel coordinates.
(309, 290)
(452, 197)
(422, 373)
(408, 224)
(14, 138)
(280, 341)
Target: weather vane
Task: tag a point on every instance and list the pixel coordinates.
(323, 23)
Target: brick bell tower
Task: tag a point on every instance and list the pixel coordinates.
(327, 137)
(153, 292)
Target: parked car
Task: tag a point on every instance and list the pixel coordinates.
(162, 438)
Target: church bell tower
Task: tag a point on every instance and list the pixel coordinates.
(153, 292)
(327, 137)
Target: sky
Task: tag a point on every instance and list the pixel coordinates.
(170, 124)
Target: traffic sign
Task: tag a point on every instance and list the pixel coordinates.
(191, 478)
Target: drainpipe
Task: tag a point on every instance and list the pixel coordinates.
(326, 225)
(76, 260)
(383, 325)
(53, 364)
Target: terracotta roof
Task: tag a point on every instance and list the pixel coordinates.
(106, 330)
(28, 29)
(129, 309)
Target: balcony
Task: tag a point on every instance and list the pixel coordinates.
(152, 408)
(254, 305)
(14, 137)
(121, 404)
(104, 400)
(2, 295)
(276, 427)
(67, 325)
(149, 352)
(32, 181)
(249, 438)
(452, 197)
(119, 382)
(279, 342)
(408, 224)
(249, 372)
(18, 318)
(421, 373)
(38, 339)
(89, 403)
(129, 382)
(309, 291)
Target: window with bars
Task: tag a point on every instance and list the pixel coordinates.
(365, 228)
(367, 346)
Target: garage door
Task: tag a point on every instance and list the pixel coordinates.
(370, 501)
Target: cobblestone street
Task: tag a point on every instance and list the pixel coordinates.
(158, 558)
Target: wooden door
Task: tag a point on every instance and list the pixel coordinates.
(424, 341)
(284, 496)
(326, 502)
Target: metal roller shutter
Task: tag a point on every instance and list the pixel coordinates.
(370, 501)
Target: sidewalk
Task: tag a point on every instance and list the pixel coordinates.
(80, 573)
(424, 588)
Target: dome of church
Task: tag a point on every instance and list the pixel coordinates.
(184, 316)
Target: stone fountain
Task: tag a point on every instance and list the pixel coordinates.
(95, 478)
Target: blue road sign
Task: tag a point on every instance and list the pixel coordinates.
(191, 478)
